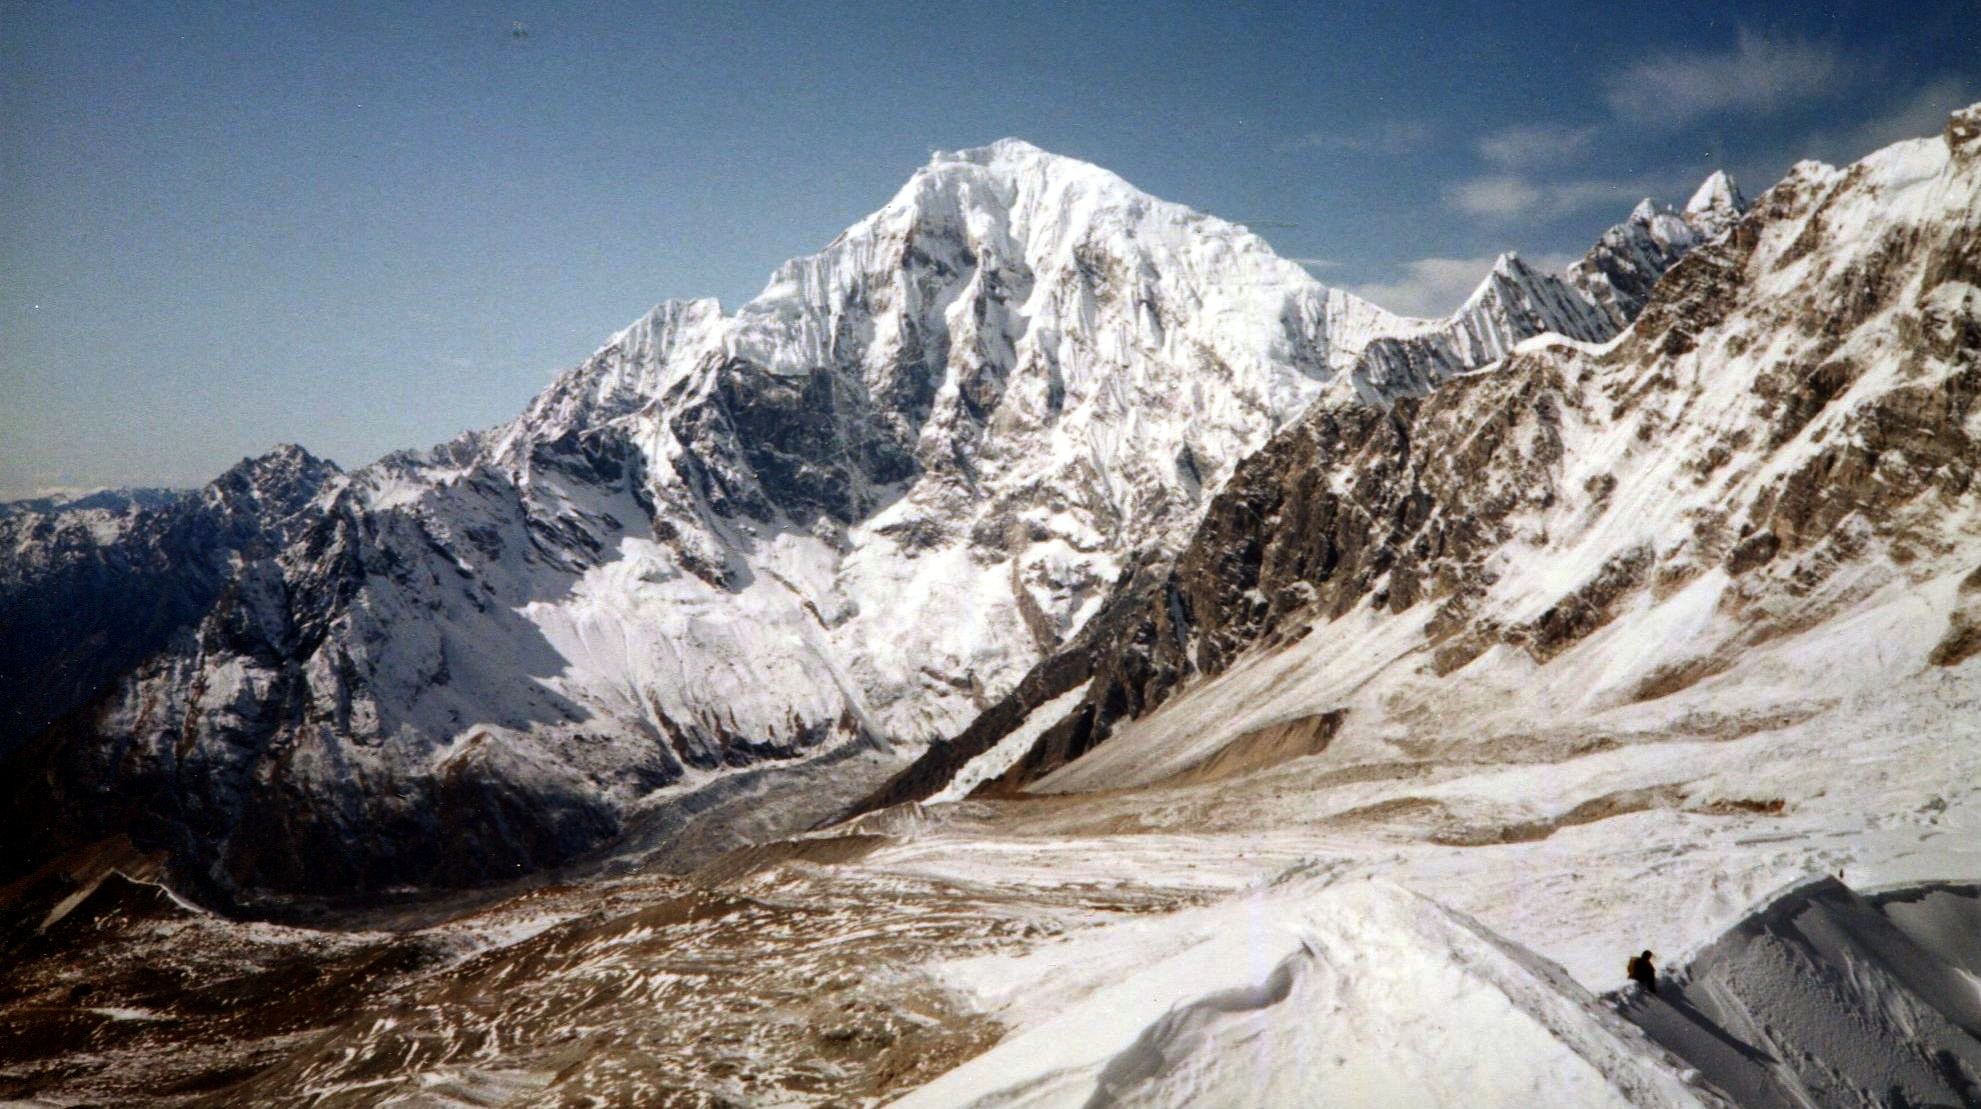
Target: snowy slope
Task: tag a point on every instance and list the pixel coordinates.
(1826, 997)
(1606, 645)
(1027, 370)
(1312, 993)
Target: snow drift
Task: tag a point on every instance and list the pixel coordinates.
(1312, 993)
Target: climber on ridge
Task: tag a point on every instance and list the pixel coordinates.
(1642, 972)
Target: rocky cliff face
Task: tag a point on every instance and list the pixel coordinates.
(775, 550)
(1786, 431)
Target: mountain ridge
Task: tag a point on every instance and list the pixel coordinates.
(1781, 435)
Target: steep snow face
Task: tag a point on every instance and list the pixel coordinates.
(922, 456)
(625, 373)
(927, 448)
(1716, 205)
(1596, 299)
(1514, 303)
(1007, 255)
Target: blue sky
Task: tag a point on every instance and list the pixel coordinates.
(370, 226)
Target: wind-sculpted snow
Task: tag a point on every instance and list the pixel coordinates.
(1312, 993)
(820, 532)
(1826, 997)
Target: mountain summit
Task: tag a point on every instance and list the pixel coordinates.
(1715, 204)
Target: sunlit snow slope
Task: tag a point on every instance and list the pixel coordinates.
(1759, 498)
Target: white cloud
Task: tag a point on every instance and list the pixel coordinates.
(1429, 287)
(1501, 196)
(1535, 144)
(64, 491)
(1317, 263)
(1760, 74)
(58, 487)
(1396, 136)
(1505, 196)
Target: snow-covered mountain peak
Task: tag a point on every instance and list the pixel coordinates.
(1003, 292)
(1716, 194)
(285, 478)
(992, 274)
(1042, 233)
(1618, 273)
(657, 330)
(283, 455)
(631, 367)
(1963, 130)
(1018, 372)
(1715, 205)
(1597, 297)
(1010, 181)
(1512, 279)
(1008, 149)
(1055, 195)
